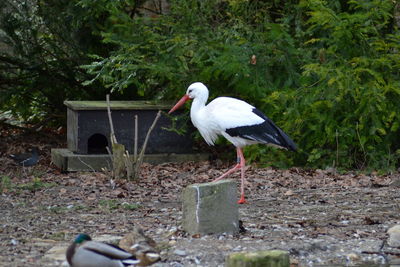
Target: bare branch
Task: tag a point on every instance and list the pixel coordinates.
(112, 135)
(141, 155)
(136, 139)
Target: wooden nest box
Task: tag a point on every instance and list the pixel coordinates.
(88, 133)
(88, 127)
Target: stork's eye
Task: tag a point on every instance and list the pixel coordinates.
(190, 91)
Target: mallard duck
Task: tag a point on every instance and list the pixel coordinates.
(84, 252)
(142, 246)
(146, 255)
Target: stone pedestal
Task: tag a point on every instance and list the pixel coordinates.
(211, 208)
(69, 161)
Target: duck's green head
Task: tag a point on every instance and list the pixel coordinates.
(82, 238)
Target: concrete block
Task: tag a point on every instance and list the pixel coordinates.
(211, 208)
(66, 160)
(267, 258)
(69, 161)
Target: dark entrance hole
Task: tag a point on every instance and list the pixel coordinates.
(97, 144)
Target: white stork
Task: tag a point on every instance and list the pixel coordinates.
(240, 123)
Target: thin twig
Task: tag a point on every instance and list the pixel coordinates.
(128, 164)
(113, 138)
(87, 165)
(362, 146)
(111, 158)
(135, 145)
(109, 153)
(382, 253)
(141, 155)
(23, 228)
(117, 149)
(292, 219)
(311, 85)
(337, 149)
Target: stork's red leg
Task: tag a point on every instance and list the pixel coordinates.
(239, 165)
(242, 165)
(236, 167)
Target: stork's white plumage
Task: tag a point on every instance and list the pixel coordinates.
(239, 122)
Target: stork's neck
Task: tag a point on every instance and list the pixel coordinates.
(198, 104)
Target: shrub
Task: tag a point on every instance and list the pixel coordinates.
(327, 72)
(43, 45)
(345, 111)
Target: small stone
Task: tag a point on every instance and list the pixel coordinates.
(238, 248)
(180, 252)
(352, 257)
(289, 193)
(395, 183)
(173, 229)
(159, 231)
(271, 258)
(197, 260)
(394, 236)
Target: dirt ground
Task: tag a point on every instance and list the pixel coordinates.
(320, 216)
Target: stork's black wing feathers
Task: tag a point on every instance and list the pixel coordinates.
(266, 132)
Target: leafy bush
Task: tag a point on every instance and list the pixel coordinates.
(327, 72)
(43, 44)
(209, 41)
(345, 112)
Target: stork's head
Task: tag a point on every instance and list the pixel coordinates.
(195, 90)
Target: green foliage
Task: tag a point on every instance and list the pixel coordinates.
(327, 72)
(345, 112)
(43, 43)
(113, 204)
(36, 184)
(59, 236)
(130, 206)
(108, 204)
(209, 41)
(5, 184)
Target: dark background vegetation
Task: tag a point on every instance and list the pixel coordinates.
(327, 72)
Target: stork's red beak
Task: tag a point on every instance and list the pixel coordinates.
(180, 103)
